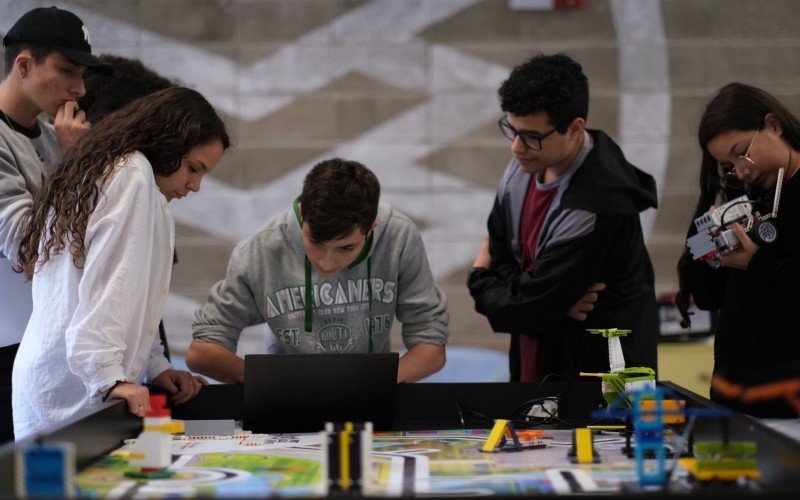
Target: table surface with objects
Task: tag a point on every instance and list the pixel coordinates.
(435, 447)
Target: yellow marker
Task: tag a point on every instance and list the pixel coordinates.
(344, 458)
(493, 441)
(583, 446)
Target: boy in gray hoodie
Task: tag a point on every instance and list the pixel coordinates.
(328, 276)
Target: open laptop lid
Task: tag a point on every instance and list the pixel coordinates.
(300, 392)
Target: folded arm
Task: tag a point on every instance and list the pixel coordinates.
(535, 302)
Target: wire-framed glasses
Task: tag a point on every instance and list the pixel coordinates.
(727, 169)
(529, 139)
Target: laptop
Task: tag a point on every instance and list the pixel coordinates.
(300, 392)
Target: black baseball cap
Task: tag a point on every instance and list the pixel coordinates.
(62, 30)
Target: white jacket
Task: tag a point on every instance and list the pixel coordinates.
(95, 325)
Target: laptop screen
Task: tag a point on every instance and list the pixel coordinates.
(300, 392)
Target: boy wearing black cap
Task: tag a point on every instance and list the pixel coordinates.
(46, 53)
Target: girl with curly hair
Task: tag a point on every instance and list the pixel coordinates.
(99, 249)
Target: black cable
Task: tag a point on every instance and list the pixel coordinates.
(559, 399)
(519, 416)
(722, 217)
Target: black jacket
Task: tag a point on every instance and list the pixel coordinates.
(758, 333)
(591, 234)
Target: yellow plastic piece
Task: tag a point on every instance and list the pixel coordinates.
(673, 410)
(128, 455)
(583, 446)
(383, 475)
(606, 427)
(174, 427)
(690, 464)
(344, 457)
(495, 436)
(179, 425)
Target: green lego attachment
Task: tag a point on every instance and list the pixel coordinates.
(609, 332)
(620, 380)
(617, 384)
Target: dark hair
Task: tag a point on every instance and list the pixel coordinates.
(38, 52)
(130, 80)
(735, 107)
(339, 196)
(554, 84)
(164, 126)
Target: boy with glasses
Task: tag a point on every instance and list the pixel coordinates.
(565, 250)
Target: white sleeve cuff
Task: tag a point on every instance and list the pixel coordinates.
(156, 366)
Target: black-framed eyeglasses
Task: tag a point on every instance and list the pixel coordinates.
(529, 139)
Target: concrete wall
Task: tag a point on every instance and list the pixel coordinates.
(408, 87)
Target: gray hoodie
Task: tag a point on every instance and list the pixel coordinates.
(24, 161)
(265, 282)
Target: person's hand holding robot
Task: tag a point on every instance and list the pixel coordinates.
(729, 235)
(740, 258)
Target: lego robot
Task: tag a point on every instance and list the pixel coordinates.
(715, 236)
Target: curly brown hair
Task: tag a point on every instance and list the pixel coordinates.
(164, 126)
(131, 80)
(554, 84)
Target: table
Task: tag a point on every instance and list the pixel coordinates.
(426, 453)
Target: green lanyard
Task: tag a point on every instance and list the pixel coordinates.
(309, 296)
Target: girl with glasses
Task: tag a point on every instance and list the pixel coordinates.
(747, 137)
